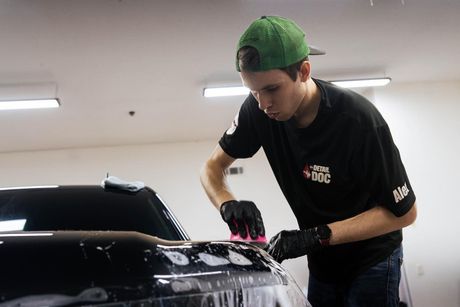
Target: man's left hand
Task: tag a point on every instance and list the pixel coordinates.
(289, 244)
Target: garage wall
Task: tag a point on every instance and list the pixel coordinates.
(425, 123)
(423, 119)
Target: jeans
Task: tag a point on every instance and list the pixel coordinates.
(378, 286)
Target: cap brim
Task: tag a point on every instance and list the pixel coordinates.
(316, 51)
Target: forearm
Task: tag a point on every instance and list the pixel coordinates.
(213, 180)
(372, 223)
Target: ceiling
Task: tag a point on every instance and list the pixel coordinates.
(105, 58)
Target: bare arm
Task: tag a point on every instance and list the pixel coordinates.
(372, 223)
(213, 178)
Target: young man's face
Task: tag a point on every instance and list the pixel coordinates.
(278, 96)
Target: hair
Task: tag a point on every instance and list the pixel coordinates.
(249, 60)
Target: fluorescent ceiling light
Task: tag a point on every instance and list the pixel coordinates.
(28, 104)
(362, 82)
(241, 90)
(225, 91)
(12, 225)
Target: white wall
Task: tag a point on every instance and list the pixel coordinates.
(424, 125)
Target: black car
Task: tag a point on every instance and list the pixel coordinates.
(95, 246)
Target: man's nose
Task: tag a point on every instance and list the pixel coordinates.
(264, 101)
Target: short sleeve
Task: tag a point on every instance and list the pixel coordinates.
(240, 140)
(384, 173)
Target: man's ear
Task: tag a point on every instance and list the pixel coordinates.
(305, 71)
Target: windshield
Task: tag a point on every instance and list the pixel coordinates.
(86, 208)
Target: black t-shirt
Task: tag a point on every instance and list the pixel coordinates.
(342, 164)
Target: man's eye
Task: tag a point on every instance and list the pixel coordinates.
(272, 89)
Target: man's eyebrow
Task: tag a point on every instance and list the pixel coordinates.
(269, 86)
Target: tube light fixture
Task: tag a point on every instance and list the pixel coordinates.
(362, 82)
(225, 91)
(28, 104)
(241, 90)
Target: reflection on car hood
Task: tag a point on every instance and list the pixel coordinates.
(122, 266)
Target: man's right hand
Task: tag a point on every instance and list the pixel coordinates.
(242, 213)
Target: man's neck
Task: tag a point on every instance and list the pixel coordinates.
(309, 107)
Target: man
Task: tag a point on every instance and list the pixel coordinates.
(334, 158)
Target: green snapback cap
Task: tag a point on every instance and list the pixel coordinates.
(279, 41)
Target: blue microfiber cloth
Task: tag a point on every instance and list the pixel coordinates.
(113, 182)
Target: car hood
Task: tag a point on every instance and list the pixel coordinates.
(65, 267)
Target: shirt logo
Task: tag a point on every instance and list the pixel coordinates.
(233, 126)
(317, 173)
(400, 192)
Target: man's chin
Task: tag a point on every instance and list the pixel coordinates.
(282, 117)
(278, 117)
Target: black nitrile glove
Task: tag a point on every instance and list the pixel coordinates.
(242, 212)
(289, 244)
